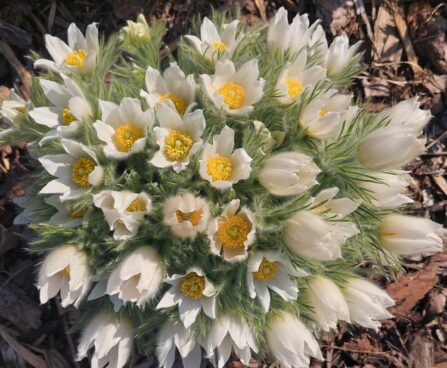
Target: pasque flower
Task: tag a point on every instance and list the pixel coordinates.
(137, 32)
(340, 54)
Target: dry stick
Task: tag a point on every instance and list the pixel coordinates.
(361, 9)
(355, 351)
(23, 74)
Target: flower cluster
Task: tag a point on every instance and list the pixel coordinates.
(221, 203)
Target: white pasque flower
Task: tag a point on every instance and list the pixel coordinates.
(13, 107)
(233, 91)
(230, 332)
(232, 232)
(78, 56)
(174, 336)
(213, 45)
(173, 88)
(221, 165)
(340, 54)
(295, 79)
(69, 109)
(77, 171)
(318, 46)
(327, 302)
(288, 173)
(124, 127)
(192, 292)
(271, 270)
(124, 211)
(65, 270)
(67, 215)
(323, 117)
(138, 31)
(291, 342)
(367, 303)
(186, 215)
(390, 147)
(324, 202)
(409, 235)
(308, 234)
(178, 138)
(112, 338)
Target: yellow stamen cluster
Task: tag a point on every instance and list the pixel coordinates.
(126, 135)
(322, 112)
(21, 109)
(65, 272)
(177, 145)
(193, 285)
(219, 168)
(193, 217)
(266, 271)
(137, 205)
(80, 171)
(178, 102)
(233, 232)
(76, 213)
(67, 116)
(294, 88)
(234, 95)
(76, 58)
(219, 46)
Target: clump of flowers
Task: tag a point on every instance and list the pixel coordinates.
(221, 203)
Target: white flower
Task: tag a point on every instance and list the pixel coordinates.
(367, 303)
(192, 292)
(340, 54)
(271, 270)
(231, 91)
(221, 165)
(77, 171)
(230, 332)
(232, 232)
(388, 192)
(112, 338)
(174, 336)
(213, 45)
(186, 215)
(67, 215)
(408, 235)
(138, 277)
(124, 211)
(295, 79)
(69, 109)
(65, 270)
(172, 88)
(288, 173)
(327, 302)
(78, 56)
(138, 31)
(124, 127)
(308, 234)
(323, 117)
(177, 138)
(13, 107)
(290, 342)
(390, 147)
(324, 202)
(318, 46)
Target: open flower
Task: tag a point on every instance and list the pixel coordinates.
(294, 79)
(230, 332)
(172, 88)
(213, 45)
(78, 56)
(124, 127)
(324, 202)
(124, 211)
(232, 232)
(138, 277)
(271, 270)
(186, 215)
(67, 215)
(192, 292)
(288, 173)
(231, 91)
(65, 270)
(70, 108)
(136, 32)
(177, 138)
(112, 338)
(340, 54)
(222, 166)
(77, 171)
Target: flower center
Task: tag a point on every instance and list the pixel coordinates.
(294, 88)
(21, 109)
(322, 112)
(193, 285)
(125, 136)
(65, 272)
(233, 231)
(76, 58)
(177, 145)
(76, 213)
(81, 169)
(137, 205)
(178, 102)
(266, 271)
(234, 95)
(193, 217)
(219, 168)
(219, 46)
(67, 116)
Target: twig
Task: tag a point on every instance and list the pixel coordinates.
(355, 351)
